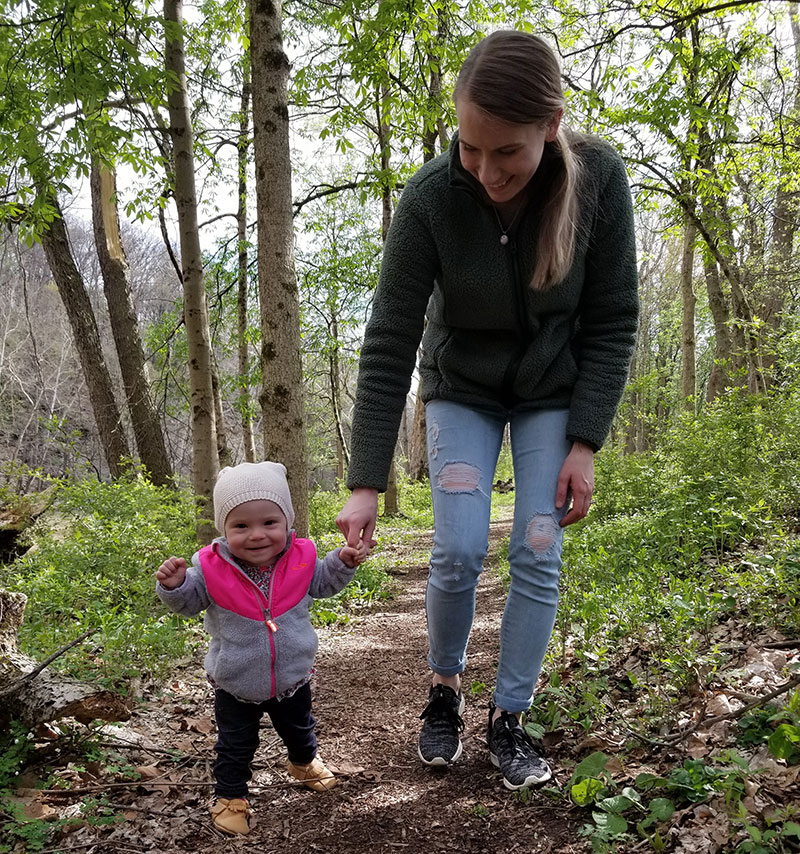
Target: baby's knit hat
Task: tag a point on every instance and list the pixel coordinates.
(249, 482)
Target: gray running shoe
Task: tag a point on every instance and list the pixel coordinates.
(514, 753)
(439, 740)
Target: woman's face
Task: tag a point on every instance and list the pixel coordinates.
(502, 156)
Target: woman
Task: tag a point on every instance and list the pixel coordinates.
(519, 245)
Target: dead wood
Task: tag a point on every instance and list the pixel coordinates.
(32, 693)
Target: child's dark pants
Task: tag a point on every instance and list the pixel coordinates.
(237, 728)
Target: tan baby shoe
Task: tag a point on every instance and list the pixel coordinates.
(314, 775)
(230, 815)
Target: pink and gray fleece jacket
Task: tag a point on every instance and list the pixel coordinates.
(260, 645)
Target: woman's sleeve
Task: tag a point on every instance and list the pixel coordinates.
(609, 310)
(391, 340)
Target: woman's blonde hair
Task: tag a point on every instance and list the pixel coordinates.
(515, 77)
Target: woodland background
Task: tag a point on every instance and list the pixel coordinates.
(193, 205)
(228, 308)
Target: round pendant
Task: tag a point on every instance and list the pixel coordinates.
(503, 239)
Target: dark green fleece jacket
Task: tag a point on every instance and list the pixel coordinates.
(491, 341)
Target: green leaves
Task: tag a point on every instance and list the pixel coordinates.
(66, 72)
(592, 786)
(784, 743)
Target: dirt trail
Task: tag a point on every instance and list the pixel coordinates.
(370, 687)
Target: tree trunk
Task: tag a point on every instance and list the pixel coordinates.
(418, 445)
(342, 452)
(688, 340)
(195, 310)
(281, 396)
(36, 697)
(114, 270)
(723, 343)
(224, 456)
(69, 282)
(418, 450)
(391, 506)
(784, 229)
(248, 439)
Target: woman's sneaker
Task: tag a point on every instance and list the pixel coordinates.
(514, 753)
(439, 740)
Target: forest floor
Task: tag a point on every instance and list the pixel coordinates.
(369, 688)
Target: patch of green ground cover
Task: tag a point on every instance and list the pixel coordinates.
(90, 566)
(679, 540)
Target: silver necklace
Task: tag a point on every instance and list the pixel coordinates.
(504, 231)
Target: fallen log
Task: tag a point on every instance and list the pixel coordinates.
(32, 693)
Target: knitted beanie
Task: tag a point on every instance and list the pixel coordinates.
(250, 482)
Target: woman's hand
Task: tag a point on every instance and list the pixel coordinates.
(576, 479)
(358, 517)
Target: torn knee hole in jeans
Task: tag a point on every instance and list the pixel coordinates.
(541, 533)
(458, 477)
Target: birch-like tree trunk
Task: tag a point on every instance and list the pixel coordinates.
(195, 311)
(86, 336)
(342, 451)
(282, 381)
(242, 146)
(125, 329)
(224, 455)
(689, 301)
(431, 132)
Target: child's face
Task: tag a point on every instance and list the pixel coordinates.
(256, 531)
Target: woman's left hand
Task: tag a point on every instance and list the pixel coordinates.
(576, 479)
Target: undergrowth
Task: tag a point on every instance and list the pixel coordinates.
(697, 532)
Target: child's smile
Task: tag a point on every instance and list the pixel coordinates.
(256, 531)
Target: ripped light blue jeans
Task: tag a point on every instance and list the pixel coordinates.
(463, 446)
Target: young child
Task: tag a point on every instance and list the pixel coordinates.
(256, 584)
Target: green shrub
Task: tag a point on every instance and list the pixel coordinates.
(91, 565)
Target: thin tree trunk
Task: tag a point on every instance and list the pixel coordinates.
(223, 449)
(243, 144)
(281, 396)
(116, 285)
(418, 450)
(784, 229)
(86, 336)
(342, 452)
(723, 344)
(195, 310)
(688, 339)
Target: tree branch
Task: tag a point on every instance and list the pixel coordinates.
(14, 686)
(732, 716)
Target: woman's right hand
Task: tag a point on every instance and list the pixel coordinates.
(358, 517)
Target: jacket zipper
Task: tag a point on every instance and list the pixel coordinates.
(270, 624)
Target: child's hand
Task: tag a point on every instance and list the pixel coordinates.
(354, 556)
(172, 572)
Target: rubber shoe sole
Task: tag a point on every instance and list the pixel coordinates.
(530, 780)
